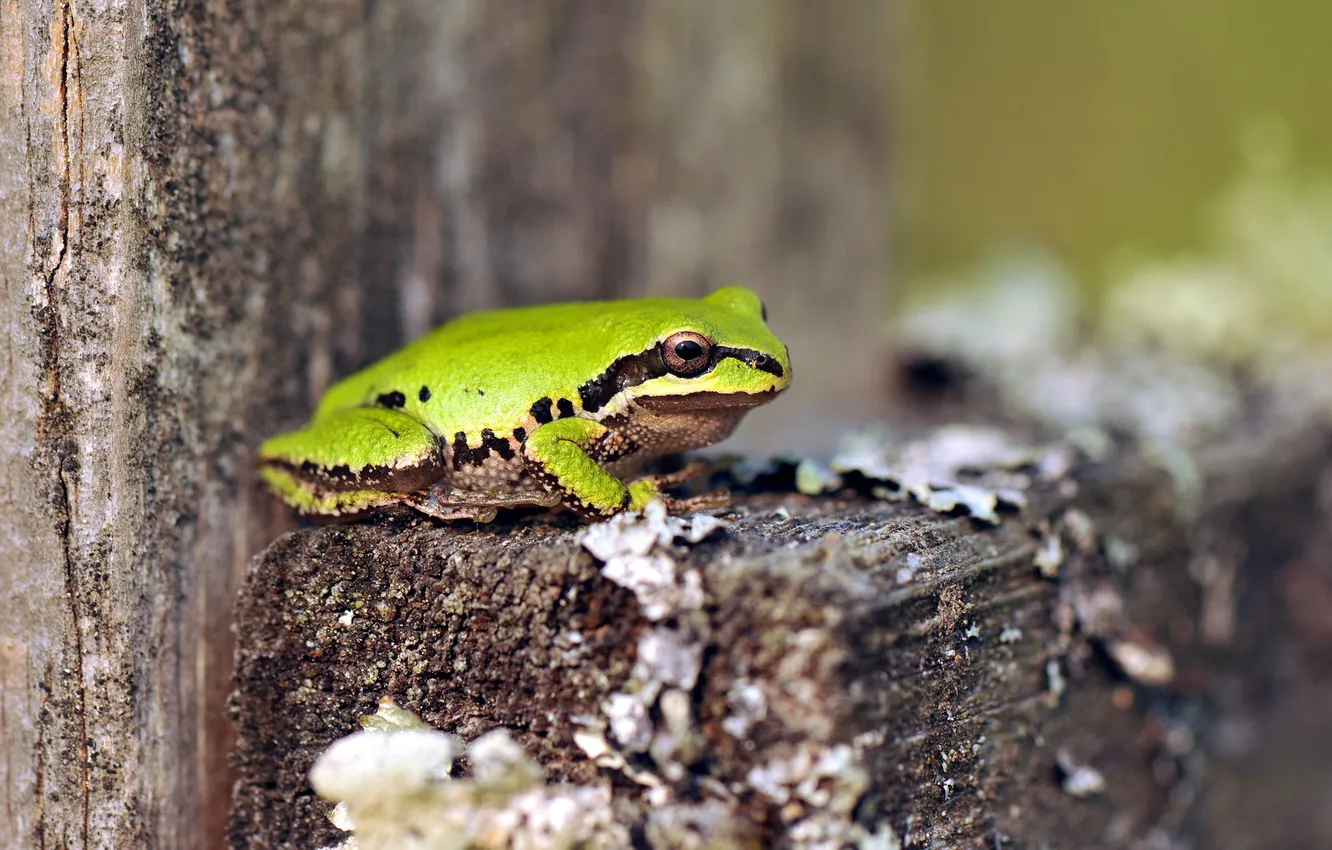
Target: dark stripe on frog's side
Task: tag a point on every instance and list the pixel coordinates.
(391, 400)
(547, 409)
(372, 477)
(541, 410)
(462, 453)
(490, 443)
(498, 445)
(634, 369)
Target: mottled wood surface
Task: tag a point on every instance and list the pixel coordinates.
(209, 212)
(969, 687)
(516, 628)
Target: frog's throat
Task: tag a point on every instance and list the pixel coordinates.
(634, 369)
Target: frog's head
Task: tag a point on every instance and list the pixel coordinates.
(699, 354)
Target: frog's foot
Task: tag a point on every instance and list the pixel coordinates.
(650, 487)
(442, 502)
(716, 500)
(690, 471)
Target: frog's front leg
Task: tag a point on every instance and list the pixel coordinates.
(566, 456)
(352, 461)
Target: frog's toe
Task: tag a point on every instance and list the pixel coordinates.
(707, 501)
(443, 502)
(696, 468)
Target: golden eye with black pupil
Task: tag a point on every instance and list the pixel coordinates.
(686, 353)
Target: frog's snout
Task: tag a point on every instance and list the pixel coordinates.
(773, 366)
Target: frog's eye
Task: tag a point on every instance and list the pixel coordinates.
(686, 353)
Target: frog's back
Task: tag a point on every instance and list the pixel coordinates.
(505, 369)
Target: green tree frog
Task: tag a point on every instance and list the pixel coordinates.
(552, 405)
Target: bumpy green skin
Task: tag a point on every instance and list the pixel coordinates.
(529, 406)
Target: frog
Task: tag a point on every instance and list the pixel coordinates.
(555, 406)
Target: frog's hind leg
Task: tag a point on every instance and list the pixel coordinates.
(350, 461)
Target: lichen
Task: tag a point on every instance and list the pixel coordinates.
(393, 786)
(649, 731)
(1158, 356)
(1079, 780)
(636, 551)
(816, 787)
(975, 470)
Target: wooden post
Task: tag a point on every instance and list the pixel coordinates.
(207, 212)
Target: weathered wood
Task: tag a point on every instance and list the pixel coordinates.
(209, 211)
(518, 629)
(964, 699)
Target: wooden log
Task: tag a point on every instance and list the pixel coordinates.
(807, 638)
(863, 668)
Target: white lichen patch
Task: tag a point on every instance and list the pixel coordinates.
(709, 825)
(637, 551)
(816, 788)
(1055, 683)
(825, 832)
(976, 470)
(813, 478)
(1145, 663)
(393, 790)
(1050, 554)
(748, 705)
(377, 769)
(653, 716)
(647, 730)
(1079, 780)
(1156, 354)
(629, 720)
(389, 717)
(670, 657)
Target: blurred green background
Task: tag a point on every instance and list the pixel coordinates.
(1088, 129)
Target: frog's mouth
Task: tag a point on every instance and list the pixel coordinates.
(704, 401)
